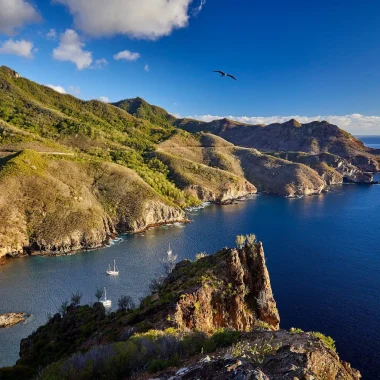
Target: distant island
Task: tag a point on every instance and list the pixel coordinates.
(74, 173)
(212, 318)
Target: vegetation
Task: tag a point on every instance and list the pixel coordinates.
(255, 352)
(99, 293)
(76, 298)
(240, 241)
(155, 350)
(200, 255)
(327, 340)
(125, 303)
(63, 308)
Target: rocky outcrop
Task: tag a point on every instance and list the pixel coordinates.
(332, 168)
(155, 213)
(269, 356)
(278, 176)
(11, 319)
(236, 293)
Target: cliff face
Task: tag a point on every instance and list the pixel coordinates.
(235, 293)
(332, 168)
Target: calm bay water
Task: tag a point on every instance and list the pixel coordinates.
(323, 255)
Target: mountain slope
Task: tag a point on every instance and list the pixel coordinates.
(292, 136)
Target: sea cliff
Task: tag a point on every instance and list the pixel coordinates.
(214, 318)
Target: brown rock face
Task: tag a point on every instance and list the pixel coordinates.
(236, 293)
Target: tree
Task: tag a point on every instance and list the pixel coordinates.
(76, 298)
(157, 284)
(240, 241)
(63, 308)
(125, 303)
(251, 239)
(99, 293)
(200, 255)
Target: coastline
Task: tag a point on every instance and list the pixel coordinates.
(114, 236)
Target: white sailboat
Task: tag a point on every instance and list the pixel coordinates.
(171, 258)
(106, 302)
(115, 271)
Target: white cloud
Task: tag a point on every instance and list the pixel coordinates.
(71, 49)
(73, 90)
(104, 99)
(127, 55)
(100, 63)
(59, 89)
(356, 124)
(146, 19)
(15, 14)
(199, 8)
(21, 48)
(147, 68)
(51, 34)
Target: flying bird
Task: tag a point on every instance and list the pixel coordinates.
(223, 74)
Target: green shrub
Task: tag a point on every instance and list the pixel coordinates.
(327, 340)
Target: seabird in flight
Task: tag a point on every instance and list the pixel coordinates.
(223, 74)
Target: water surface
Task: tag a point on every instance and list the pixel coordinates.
(323, 255)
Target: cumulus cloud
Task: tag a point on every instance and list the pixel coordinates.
(355, 123)
(71, 49)
(144, 19)
(147, 68)
(51, 34)
(127, 55)
(199, 8)
(100, 63)
(59, 89)
(21, 48)
(104, 99)
(15, 14)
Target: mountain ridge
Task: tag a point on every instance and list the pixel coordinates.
(145, 150)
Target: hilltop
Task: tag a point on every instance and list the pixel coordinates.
(75, 173)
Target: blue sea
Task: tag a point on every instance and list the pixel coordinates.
(371, 141)
(323, 255)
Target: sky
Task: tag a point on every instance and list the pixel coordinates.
(293, 59)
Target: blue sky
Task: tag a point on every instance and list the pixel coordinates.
(312, 60)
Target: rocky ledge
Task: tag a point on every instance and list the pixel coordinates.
(11, 319)
(268, 356)
(214, 318)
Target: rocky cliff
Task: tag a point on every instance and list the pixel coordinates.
(332, 168)
(214, 318)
